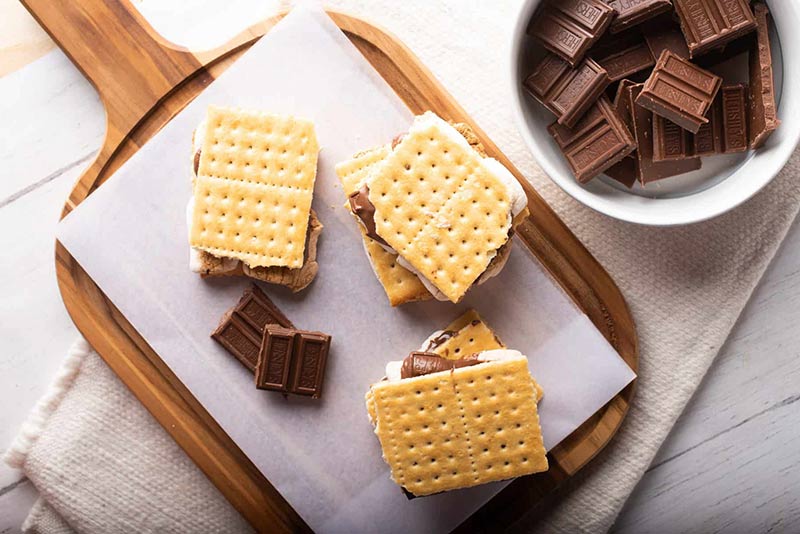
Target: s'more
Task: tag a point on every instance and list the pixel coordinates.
(436, 214)
(250, 213)
(447, 418)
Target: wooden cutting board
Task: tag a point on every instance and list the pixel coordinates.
(143, 82)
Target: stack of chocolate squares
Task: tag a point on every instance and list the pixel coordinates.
(668, 110)
(264, 340)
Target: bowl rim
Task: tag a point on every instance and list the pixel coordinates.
(676, 211)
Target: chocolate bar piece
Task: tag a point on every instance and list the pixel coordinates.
(241, 328)
(567, 92)
(734, 118)
(671, 142)
(622, 55)
(622, 103)
(679, 91)
(633, 12)
(597, 142)
(424, 363)
(663, 33)
(763, 114)
(707, 141)
(650, 170)
(709, 24)
(725, 133)
(627, 170)
(292, 361)
(742, 45)
(310, 359)
(275, 359)
(569, 28)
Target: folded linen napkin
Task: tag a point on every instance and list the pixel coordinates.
(101, 463)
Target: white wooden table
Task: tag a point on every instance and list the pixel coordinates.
(732, 463)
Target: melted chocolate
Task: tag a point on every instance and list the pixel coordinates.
(425, 363)
(397, 140)
(439, 340)
(361, 206)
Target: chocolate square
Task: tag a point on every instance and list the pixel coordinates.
(292, 361)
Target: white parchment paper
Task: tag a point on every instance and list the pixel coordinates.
(131, 237)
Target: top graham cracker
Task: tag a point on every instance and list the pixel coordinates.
(400, 284)
(458, 429)
(353, 172)
(254, 187)
(440, 206)
(471, 335)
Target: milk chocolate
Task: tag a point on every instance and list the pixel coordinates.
(241, 328)
(734, 116)
(362, 207)
(679, 91)
(622, 103)
(567, 92)
(292, 361)
(671, 142)
(708, 140)
(568, 28)
(310, 358)
(662, 33)
(623, 55)
(275, 359)
(633, 12)
(650, 170)
(709, 24)
(627, 170)
(763, 113)
(438, 340)
(742, 45)
(597, 142)
(725, 132)
(425, 363)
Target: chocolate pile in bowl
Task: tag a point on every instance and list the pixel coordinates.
(670, 110)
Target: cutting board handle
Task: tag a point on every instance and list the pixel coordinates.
(130, 65)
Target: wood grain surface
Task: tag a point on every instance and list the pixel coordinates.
(150, 82)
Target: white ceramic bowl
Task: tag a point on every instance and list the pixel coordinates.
(723, 183)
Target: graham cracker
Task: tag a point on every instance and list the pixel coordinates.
(469, 135)
(354, 171)
(369, 398)
(439, 206)
(471, 335)
(400, 284)
(254, 186)
(294, 279)
(474, 336)
(459, 429)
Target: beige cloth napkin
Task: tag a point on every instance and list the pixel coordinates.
(686, 287)
(102, 464)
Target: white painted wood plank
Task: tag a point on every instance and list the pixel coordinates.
(34, 325)
(746, 480)
(51, 117)
(22, 40)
